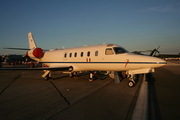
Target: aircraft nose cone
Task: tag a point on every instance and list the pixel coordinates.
(147, 61)
(153, 62)
(160, 62)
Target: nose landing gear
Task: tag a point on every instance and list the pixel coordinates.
(132, 80)
(131, 84)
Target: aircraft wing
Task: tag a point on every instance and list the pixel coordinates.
(39, 68)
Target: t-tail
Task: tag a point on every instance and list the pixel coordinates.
(32, 43)
(34, 52)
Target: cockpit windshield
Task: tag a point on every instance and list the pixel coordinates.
(119, 50)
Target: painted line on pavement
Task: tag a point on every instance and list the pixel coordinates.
(141, 109)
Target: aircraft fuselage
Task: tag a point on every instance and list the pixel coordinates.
(104, 57)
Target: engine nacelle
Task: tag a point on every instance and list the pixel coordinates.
(35, 53)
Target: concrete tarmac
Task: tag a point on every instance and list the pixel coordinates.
(164, 98)
(25, 95)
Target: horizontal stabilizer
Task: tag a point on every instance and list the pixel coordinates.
(23, 49)
(18, 48)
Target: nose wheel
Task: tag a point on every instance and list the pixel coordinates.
(132, 82)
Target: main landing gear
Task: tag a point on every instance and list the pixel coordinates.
(93, 75)
(73, 74)
(47, 75)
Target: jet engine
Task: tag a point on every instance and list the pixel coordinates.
(35, 53)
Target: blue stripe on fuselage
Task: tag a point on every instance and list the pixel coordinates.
(112, 62)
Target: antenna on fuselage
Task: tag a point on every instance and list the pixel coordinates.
(63, 47)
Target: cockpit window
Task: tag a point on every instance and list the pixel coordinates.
(119, 50)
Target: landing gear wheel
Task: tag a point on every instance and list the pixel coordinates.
(46, 78)
(131, 84)
(71, 75)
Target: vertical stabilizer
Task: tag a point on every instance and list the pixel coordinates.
(32, 43)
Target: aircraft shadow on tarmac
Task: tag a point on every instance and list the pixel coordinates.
(84, 76)
(56, 78)
(153, 104)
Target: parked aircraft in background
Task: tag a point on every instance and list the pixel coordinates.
(103, 57)
(170, 56)
(11, 59)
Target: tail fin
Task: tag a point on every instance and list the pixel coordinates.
(32, 43)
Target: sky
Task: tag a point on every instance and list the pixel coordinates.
(134, 25)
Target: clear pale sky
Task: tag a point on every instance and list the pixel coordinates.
(133, 24)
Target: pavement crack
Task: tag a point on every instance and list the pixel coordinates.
(76, 113)
(60, 93)
(10, 84)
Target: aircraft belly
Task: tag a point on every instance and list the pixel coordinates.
(125, 67)
(99, 67)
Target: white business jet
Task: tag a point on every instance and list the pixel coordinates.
(104, 57)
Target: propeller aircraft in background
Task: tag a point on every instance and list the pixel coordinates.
(153, 52)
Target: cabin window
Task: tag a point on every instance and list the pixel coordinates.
(119, 50)
(81, 54)
(96, 53)
(88, 53)
(75, 54)
(65, 55)
(109, 51)
(70, 55)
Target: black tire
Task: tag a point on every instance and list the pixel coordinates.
(131, 84)
(46, 78)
